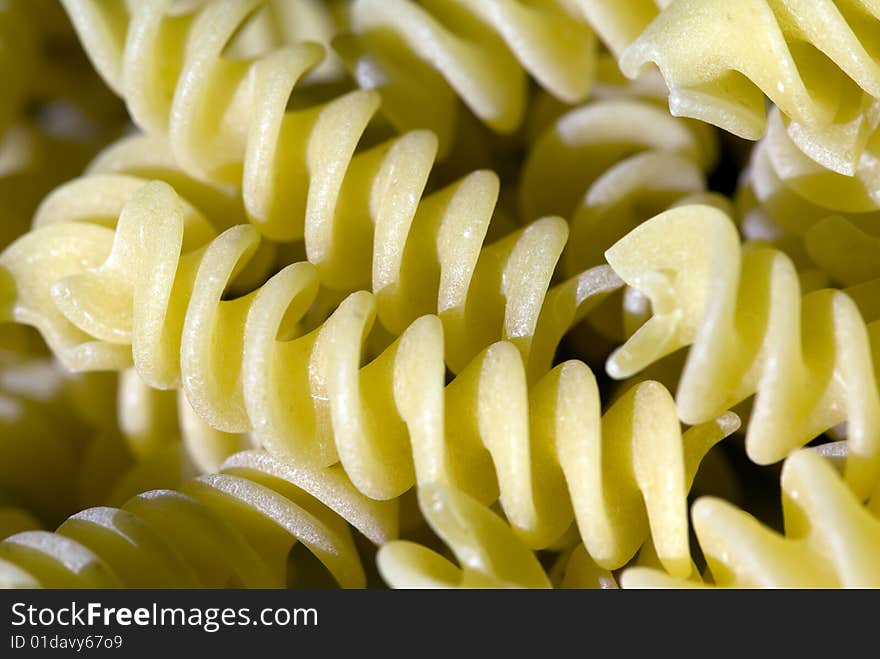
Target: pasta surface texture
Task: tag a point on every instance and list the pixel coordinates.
(439, 293)
(233, 528)
(816, 61)
(831, 540)
(808, 360)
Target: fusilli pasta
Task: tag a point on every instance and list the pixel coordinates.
(830, 540)
(809, 360)
(233, 528)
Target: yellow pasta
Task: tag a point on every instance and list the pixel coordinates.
(490, 554)
(809, 361)
(233, 360)
(482, 296)
(354, 262)
(422, 57)
(830, 540)
(816, 61)
(834, 216)
(619, 23)
(610, 165)
(234, 528)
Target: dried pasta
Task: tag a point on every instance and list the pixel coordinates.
(422, 57)
(831, 540)
(291, 287)
(609, 165)
(193, 336)
(831, 216)
(233, 528)
(816, 61)
(490, 554)
(809, 361)
(53, 292)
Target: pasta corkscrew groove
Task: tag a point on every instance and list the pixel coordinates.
(546, 452)
(808, 360)
(309, 399)
(232, 528)
(610, 165)
(490, 554)
(816, 61)
(355, 261)
(831, 540)
(423, 56)
(59, 270)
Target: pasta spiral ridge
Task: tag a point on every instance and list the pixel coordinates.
(808, 359)
(609, 165)
(228, 120)
(422, 57)
(232, 528)
(497, 292)
(309, 399)
(546, 451)
(816, 61)
(491, 555)
(831, 540)
(833, 216)
(364, 217)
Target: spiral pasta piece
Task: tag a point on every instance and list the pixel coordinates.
(233, 360)
(422, 57)
(552, 454)
(232, 528)
(833, 217)
(499, 292)
(363, 217)
(490, 554)
(831, 540)
(808, 360)
(817, 61)
(609, 165)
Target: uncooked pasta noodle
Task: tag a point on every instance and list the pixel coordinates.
(490, 554)
(832, 216)
(191, 341)
(233, 528)
(814, 60)
(317, 285)
(831, 540)
(609, 165)
(809, 361)
(422, 57)
(59, 270)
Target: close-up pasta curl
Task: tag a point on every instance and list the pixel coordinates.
(490, 283)
(831, 540)
(232, 528)
(808, 360)
(814, 61)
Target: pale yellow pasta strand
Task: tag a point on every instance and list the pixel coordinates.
(482, 294)
(809, 361)
(233, 528)
(490, 554)
(815, 60)
(422, 57)
(831, 540)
